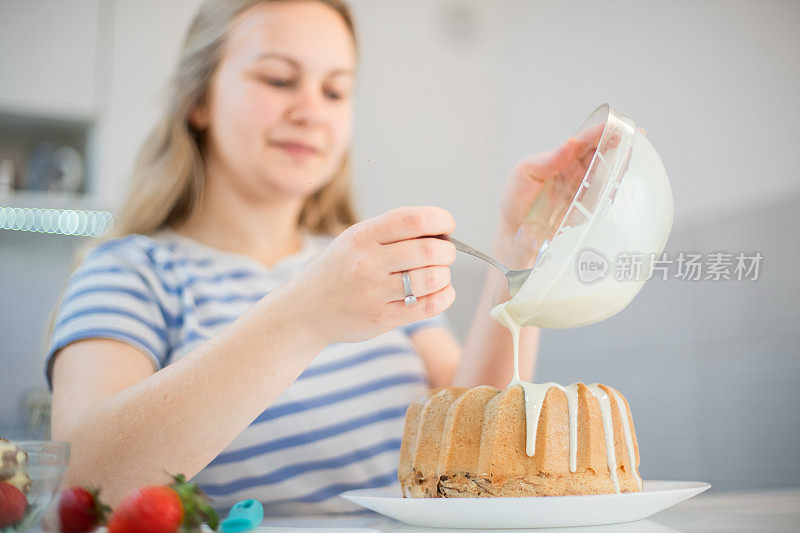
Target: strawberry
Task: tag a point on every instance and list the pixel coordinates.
(80, 510)
(12, 504)
(155, 509)
(163, 509)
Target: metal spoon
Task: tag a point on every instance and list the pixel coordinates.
(515, 277)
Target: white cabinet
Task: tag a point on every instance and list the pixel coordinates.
(101, 64)
(48, 57)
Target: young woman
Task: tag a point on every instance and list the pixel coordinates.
(243, 328)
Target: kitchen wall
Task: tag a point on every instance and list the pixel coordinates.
(452, 93)
(710, 368)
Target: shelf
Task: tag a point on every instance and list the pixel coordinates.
(47, 114)
(45, 153)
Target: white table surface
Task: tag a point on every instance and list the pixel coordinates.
(773, 510)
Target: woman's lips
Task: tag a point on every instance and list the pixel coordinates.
(298, 150)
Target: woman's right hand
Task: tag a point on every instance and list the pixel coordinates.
(353, 290)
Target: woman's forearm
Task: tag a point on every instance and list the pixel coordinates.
(181, 417)
(488, 357)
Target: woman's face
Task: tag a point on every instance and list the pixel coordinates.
(279, 110)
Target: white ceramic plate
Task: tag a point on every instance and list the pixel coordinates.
(552, 511)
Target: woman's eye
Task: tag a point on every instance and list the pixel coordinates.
(333, 95)
(279, 82)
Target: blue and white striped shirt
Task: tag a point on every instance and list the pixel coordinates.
(337, 427)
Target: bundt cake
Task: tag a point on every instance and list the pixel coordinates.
(527, 440)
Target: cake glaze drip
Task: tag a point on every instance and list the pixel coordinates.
(626, 428)
(535, 394)
(608, 431)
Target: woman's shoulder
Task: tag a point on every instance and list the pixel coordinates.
(165, 250)
(135, 250)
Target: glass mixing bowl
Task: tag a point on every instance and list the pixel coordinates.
(596, 229)
(41, 475)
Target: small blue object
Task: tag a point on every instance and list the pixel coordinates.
(244, 516)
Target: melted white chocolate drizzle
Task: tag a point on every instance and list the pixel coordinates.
(535, 393)
(608, 431)
(626, 427)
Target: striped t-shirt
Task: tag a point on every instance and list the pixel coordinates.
(337, 427)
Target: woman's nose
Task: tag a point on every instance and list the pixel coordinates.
(308, 106)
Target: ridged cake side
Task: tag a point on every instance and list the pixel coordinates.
(461, 442)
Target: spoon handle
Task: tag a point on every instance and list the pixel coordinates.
(477, 253)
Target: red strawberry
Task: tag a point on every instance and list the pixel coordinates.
(12, 504)
(80, 510)
(156, 509)
(162, 509)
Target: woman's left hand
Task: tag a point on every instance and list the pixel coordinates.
(527, 179)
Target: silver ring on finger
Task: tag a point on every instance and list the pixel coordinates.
(410, 299)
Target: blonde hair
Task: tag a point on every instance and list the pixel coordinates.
(168, 178)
